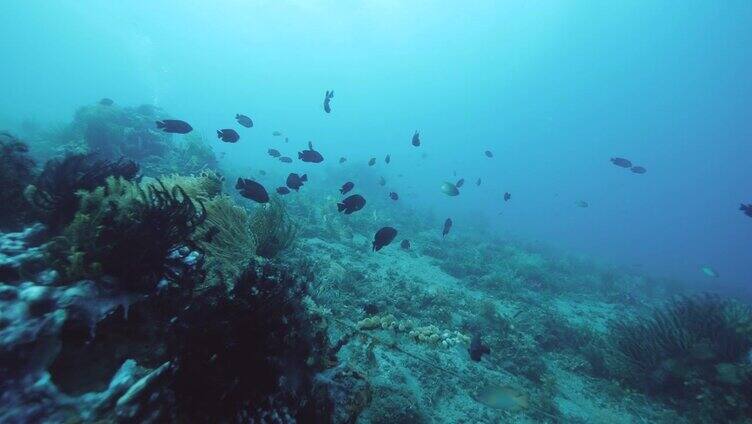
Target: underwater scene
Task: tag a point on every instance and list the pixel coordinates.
(376, 211)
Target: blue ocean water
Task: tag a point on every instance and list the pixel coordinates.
(567, 286)
(553, 89)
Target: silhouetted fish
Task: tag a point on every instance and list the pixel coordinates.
(310, 155)
(295, 181)
(624, 163)
(382, 181)
(507, 196)
(285, 159)
(582, 203)
(342, 160)
(393, 196)
(477, 182)
(709, 271)
(638, 170)
(106, 102)
(416, 139)
(244, 120)
(387, 159)
(383, 237)
(228, 135)
(287, 140)
(405, 244)
(460, 183)
(276, 133)
(283, 190)
(372, 162)
(262, 172)
(252, 190)
(346, 187)
(351, 204)
(327, 98)
(477, 348)
(747, 209)
(274, 153)
(489, 153)
(447, 227)
(174, 126)
(449, 189)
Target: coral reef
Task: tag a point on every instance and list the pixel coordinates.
(272, 229)
(54, 192)
(135, 234)
(694, 348)
(226, 240)
(426, 334)
(16, 172)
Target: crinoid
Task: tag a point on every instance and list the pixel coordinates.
(53, 192)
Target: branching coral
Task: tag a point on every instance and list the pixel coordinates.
(54, 192)
(136, 234)
(226, 239)
(15, 174)
(272, 229)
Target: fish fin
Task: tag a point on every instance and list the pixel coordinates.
(341, 207)
(300, 155)
(219, 134)
(237, 116)
(160, 124)
(342, 191)
(310, 145)
(304, 177)
(239, 184)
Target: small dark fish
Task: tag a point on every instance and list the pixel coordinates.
(347, 187)
(252, 190)
(244, 120)
(582, 203)
(447, 227)
(454, 173)
(638, 170)
(388, 159)
(283, 190)
(351, 204)
(276, 133)
(478, 182)
(372, 162)
(342, 160)
(295, 181)
(310, 155)
(287, 140)
(327, 98)
(383, 237)
(449, 189)
(274, 153)
(228, 135)
(262, 172)
(416, 139)
(106, 102)
(174, 126)
(460, 183)
(209, 236)
(507, 196)
(624, 163)
(382, 181)
(393, 196)
(285, 159)
(405, 244)
(477, 348)
(747, 209)
(489, 154)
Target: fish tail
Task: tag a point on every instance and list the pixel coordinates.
(239, 184)
(300, 155)
(219, 134)
(340, 207)
(304, 177)
(160, 124)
